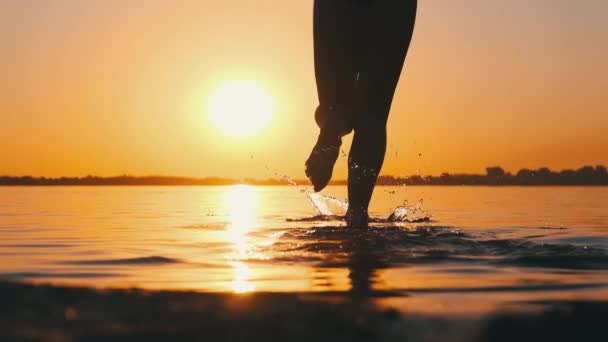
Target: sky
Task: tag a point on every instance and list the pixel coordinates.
(110, 87)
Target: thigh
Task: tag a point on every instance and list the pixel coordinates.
(336, 42)
(391, 25)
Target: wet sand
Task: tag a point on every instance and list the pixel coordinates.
(50, 313)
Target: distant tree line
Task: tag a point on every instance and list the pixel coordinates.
(587, 175)
(131, 180)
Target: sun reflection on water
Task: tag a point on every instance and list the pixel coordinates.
(241, 203)
(242, 274)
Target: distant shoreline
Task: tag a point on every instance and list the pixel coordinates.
(495, 176)
(286, 185)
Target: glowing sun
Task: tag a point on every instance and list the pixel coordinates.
(241, 108)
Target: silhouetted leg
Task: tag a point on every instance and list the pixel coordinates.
(336, 41)
(390, 26)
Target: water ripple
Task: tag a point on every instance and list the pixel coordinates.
(394, 246)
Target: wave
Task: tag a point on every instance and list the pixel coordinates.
(391, 219)
(390, 246)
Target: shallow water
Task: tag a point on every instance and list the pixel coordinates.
(483, 248)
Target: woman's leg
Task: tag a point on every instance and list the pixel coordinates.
(390, 26)
(336, 40)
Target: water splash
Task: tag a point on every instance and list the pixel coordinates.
(288, 180)
(318, 204)
(410, 214)
(281, 177)
(329, 206)
(325, 203)
(314, 199)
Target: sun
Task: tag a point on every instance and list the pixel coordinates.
(241, 109)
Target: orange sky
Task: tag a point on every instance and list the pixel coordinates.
(110, 87)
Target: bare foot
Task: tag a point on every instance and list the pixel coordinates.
(320, 163)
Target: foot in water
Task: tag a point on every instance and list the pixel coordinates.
(357, 219)
(320, 163)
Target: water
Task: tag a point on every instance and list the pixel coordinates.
(463, 250)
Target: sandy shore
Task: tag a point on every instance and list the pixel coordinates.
(40, 312)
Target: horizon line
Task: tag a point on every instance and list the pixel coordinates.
(587, 175)
(489, 169)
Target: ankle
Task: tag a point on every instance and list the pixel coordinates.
(356, 215)
(329, 139)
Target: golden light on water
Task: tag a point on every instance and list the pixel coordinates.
(241, 108)
(242, 204)
(242, 274)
